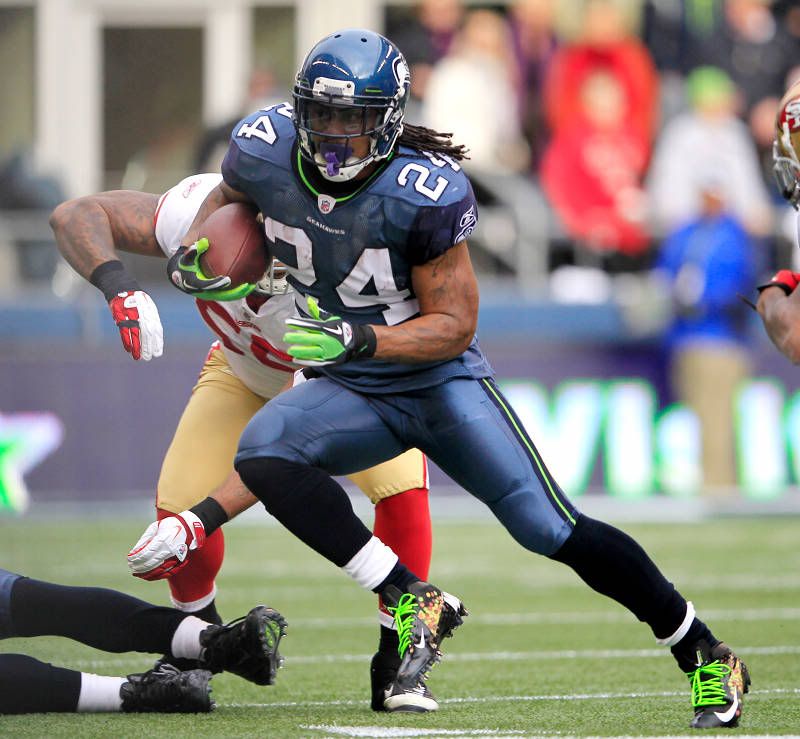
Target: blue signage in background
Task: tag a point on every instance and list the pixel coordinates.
(594, 397)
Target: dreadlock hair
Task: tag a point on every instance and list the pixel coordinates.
(426, 139)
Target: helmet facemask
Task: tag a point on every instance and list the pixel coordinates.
(349, 96)
(328, 119)
(274, 281)
(786, 167)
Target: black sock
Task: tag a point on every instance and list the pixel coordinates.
(389, 641)
(208, 613)
(684, 651)
(30, 686)
(104, 619)
(308, 502)
(399, 576)
(612, 563)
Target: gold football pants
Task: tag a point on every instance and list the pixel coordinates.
(200, 456)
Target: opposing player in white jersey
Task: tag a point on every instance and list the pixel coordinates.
(245, 367)
(779, 299)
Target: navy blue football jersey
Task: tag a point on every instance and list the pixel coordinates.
(355, 253)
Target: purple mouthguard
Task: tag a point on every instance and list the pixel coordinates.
(335, 155)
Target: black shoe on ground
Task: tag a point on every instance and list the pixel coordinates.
(382, 672)
(718, 687)
(424, 616)
(166, 689)
(247, 646)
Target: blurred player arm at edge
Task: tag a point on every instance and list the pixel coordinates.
(780, 314)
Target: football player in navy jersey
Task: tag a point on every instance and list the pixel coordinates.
(244, 368)
(116, 622)
(371, 217)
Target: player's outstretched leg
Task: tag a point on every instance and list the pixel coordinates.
(718, 686)
(613, 563)
(165, 689)
(403, 523)
(424, 616)
(247, 646)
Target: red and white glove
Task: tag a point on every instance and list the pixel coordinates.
(139, 325)
(164, 547)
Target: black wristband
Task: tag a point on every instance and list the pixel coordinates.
(364, 341)
(211, 514)
(111, 278)
(783, 286)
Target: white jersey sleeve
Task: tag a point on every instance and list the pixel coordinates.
(250, 336)
(177, 208)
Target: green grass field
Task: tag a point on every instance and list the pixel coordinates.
(540, 654)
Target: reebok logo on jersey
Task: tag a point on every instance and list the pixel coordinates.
(466, 225)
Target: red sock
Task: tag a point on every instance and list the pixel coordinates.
(403, 522)
(196, 581)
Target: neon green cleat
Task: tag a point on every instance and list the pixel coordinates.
(718, 687)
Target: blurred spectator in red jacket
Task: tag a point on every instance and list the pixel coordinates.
(593, 168)
(606, 42)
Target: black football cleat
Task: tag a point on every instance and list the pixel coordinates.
(424, 616)
(382, 672)
(247, 646)
(166, 689)
(718, 687)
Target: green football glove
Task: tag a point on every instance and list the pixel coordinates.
(327, 339)
(185, 272)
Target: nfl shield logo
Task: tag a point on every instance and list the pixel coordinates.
(325, 203)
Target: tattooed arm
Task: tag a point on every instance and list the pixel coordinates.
(448, 299)
(90, 230)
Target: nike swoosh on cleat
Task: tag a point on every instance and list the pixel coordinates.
(731, 712)
(421, 643)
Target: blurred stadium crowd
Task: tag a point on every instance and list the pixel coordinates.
(596, 127)
(620, 151)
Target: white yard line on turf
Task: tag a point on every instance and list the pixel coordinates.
(556, 654)
(753, 695)
(393, 732)
(572, 617)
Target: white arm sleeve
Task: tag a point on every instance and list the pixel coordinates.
(177, 208)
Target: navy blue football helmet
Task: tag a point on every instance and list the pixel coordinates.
(352, 83)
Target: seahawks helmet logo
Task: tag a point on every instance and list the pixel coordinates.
(401, 74)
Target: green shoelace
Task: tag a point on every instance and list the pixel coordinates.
(711, 690)
(404, 614)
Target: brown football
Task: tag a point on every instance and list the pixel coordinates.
(237, 246)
